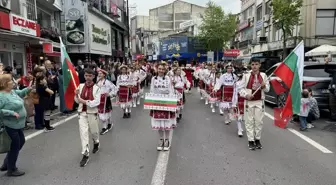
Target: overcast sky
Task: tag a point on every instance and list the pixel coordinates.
(143, 6)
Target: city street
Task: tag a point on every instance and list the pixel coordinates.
(204, 151)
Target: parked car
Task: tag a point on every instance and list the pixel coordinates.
(314, 77)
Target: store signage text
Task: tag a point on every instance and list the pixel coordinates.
(243, 25)
(22, 25)
(232, 53)
(100, 35)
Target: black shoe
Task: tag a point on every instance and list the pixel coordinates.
(258, 144)
(251, 145)
(3, 168)
(104, 131)
(49, 129)
(109, 126)
(95, 148)
(178, 120)
(166, 145)
(180, 116)
(125, 115)
(128, 115)
(84, 161)
(15, 173)
(303, 129)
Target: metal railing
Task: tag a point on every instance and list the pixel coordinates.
(31, 10)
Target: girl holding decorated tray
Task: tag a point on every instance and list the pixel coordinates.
(124, 85)
(162, 121)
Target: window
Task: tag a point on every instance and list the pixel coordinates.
(43, 18)
(268, 8)
(259, 13)
(182, 16)
(166, 25)
(250, 11)
(326, 22)
(315, 71)
(245, 15)
(166, 17)
(278, 35)
(15, 7)
(31, 11)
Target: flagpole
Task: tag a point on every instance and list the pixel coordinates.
(73, 79)
(276, 69)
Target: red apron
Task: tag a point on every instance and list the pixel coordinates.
(104, 100)
(180, 102)
(125, 94)
(227, 93)
(160, 114)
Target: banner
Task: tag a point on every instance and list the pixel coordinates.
(174, 45)
(75, 22)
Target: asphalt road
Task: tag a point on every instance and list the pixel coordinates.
(204, 151)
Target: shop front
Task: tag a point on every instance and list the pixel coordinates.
(17, 34)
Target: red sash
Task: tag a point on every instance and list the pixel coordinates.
(257, 95)
(227, 93)
(201, 84)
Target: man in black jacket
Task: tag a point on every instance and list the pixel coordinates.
(331, 69)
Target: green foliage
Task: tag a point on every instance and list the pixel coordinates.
(286, 13)
(217, 28)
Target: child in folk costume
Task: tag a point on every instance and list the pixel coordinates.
(198, 74)
(216, 94)
(141, 75)
(238, 102)
(189, 75)
(108, 90)
(179, 82)
(88, 99)
(226, 84)
(210, 85)
(163, 121)
(255, 84)
(124, 85)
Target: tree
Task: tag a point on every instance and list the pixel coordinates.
(217, 28)
(286, 14)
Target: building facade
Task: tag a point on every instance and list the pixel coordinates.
(29, 33)
(258, 36)
(162, 22)
(96, 30)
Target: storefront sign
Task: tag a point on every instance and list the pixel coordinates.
(232, 53)
(48, 48)
(75, 22)
(174, 45)
(4, 21)
(23, 25)
(243, 25)
(187, 24)
(139, 57)
(100, 36)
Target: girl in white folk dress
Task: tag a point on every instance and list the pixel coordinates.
(238, 103)
(124, 85)
(141, 75)
(226, 84)
(163, 121)
(178, 82)
(135, 87)
(210, 83)
(108, 90)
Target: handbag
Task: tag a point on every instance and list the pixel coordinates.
(5, 140)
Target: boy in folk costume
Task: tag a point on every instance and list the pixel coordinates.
(108, 90)
(238, 102)
(179, 82)
(141, 75)
(255, 84)
(88, 98)
(226, 84)
(124, 85)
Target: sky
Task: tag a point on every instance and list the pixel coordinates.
(143, 6)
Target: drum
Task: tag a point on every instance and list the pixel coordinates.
(162, 102)
(125, 94)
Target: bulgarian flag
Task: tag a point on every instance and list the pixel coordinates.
(70, 78)
(290, 71)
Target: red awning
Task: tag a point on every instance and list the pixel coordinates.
(54, 54)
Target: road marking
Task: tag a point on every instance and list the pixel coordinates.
(32, 135)
(55, 114)
(305, 138)
(159, 175)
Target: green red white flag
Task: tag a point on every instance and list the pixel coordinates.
(70, 78)
(290, 71)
